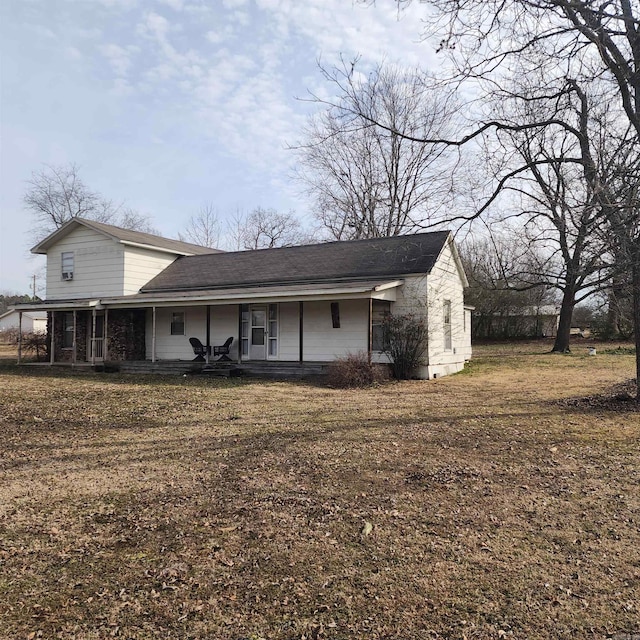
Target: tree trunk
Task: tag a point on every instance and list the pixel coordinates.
(561, 345)
(635, 277)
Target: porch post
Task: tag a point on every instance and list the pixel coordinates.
(301, 329)
(208, 333)
(105, 342)
(53, 338)
(370, 330)
(153, 334)
(73, 350)
(19, 337)
(239, 334)
(93, 335)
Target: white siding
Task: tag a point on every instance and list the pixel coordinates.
(444, 283)
(289, 331)
(322, 342)
(141, 265)
(224, 323)
(101, 266)
(98, 266)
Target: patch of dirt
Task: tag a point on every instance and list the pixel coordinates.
(620, 397)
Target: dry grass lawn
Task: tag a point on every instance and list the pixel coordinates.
(483, 505)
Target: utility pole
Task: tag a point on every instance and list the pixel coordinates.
(33, 286)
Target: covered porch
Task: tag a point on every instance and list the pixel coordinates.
(261, 326)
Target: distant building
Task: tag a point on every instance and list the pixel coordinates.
(32, 321)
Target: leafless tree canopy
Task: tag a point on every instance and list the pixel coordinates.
(203, 228)
(265, 229)
(56, 194)
(370, 181)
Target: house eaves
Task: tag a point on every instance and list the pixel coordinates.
(382, 289)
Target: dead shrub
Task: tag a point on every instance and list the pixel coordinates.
(356, 370)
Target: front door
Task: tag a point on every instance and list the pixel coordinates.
(258, 333)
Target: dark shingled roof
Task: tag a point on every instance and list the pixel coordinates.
(128, 235)
(332, 261)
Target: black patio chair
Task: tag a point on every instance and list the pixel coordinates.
(223, 350)
(199, 349)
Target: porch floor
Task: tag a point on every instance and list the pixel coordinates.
(257, 368)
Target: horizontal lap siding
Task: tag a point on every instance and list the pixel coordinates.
(141, 265)
(322, 342)
(289, 331)
(224, 323)
(98, 268)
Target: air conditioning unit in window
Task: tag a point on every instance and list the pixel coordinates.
(67, 275)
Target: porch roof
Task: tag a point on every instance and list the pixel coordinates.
(380, 289)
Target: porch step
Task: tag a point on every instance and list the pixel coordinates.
(283, 369)
(274, 370)
(162, 367)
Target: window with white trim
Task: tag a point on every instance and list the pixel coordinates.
(380, 309)
(67, 265)
(446, 321)
(177, 323)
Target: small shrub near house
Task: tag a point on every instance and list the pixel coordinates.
(35, 344)
(404, 341)
(356, 370)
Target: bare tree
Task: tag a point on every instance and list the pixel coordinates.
(56, 194)
(266, 229)
(203, 228)
(489, 40)
(369, 181)
(503, 286)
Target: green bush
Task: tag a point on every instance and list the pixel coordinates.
(356, 370)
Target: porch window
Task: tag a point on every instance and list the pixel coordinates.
(446, 320)
(67, 330)
(67, 265)
(177, 323)
(380, 309)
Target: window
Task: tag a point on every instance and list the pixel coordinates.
(335, 315)
(67, 330)
(446, 320)
(273, 329)
(380, 309)
(67, 265)
(177, 323)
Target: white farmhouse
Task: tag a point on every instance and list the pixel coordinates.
(117, 296)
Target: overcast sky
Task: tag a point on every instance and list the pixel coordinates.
(170, 104)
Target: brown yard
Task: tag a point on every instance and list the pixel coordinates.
(490, 504)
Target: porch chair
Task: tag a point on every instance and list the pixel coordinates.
(223, 350)
(199, 349)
